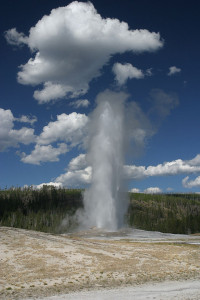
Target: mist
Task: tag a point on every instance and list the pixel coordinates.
(118, 131)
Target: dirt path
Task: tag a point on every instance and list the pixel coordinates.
(167, 290)
(34, 264)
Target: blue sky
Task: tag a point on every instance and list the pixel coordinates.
(58, 87)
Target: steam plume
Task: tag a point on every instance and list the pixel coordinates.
(104, 202)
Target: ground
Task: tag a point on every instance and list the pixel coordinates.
(35, 264)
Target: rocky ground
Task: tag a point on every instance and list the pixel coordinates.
(35, 264)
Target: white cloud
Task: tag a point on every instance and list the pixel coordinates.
(79, 173)
(153, 190)
(173, 70)
(10, 137)
(75, 178)
(134, 190)
(40, 186)
(15, 38)
(78, 163)
(26, 119)
(168, 168)
(192, 183)
(68, 128)
(43, 153)
(134, 172)
(71, 45)
(123, 72)
(195, 161)
(23, 135)
(80, 103)
(171, 168)
(50, 91)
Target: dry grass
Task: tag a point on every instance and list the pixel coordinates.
(35, 263)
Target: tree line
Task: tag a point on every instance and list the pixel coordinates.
(38, 209)
(174, 213)
(46, 208)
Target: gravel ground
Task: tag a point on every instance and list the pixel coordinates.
(35, 264)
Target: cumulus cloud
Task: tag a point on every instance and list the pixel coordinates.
(175, 167)
(123, 72)
(80, 103)
(153, 190)
(43, 153)
(134, 190)
(10, 137)
(71, 46)
(78, 163)
(68, 128)
(192, 183)
(134, 172)
(171, 168)
(195, 161)
(173, 70)
(79, 172)
(40, 186)
(75, 178)
(26, 119)
(50, 91)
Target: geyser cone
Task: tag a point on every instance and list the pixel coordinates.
(104, 201)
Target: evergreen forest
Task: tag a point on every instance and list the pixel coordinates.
(53, 209)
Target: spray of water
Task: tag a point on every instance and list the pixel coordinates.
(105, 202)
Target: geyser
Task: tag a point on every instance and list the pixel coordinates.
(105, 202)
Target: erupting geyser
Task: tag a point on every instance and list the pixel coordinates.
(105, 202)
